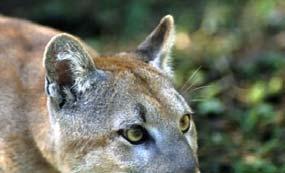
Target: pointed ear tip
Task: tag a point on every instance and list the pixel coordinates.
(61, 36)
(54, 40)
(169, 19)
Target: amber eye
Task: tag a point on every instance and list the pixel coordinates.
(184, 123)
(136, 134)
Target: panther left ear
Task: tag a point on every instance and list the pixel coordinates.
(156, 48)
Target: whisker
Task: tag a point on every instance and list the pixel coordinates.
(198, 88)
(198, 100)
(190, 78)
(189, 87)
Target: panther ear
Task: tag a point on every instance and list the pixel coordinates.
(67, 65)
(156, 48)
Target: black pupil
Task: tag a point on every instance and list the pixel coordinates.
(136, 133)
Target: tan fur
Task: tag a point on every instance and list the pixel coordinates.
(25, 129)
(21, 47)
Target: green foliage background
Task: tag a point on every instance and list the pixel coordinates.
(229, 60)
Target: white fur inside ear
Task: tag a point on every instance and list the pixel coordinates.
(79, 60)
(53, 90)
(69, 97)
(163, 59)
(156, 48)
(78, 64)
(164, 66)
(64, 48)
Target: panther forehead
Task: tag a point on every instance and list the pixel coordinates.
(126, 62)
(143, 79)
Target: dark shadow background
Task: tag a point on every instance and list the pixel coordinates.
(229, 60)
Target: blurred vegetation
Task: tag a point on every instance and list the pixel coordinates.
(229, 59)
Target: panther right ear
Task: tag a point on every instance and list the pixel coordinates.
(156, 48)
(67, 65)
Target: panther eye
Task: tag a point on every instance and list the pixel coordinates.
(184, 123)
(136, 134)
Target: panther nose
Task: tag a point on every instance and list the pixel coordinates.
(184, 162)
(177, 155)
(187, 161)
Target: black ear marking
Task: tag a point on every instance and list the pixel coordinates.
(47, 83)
